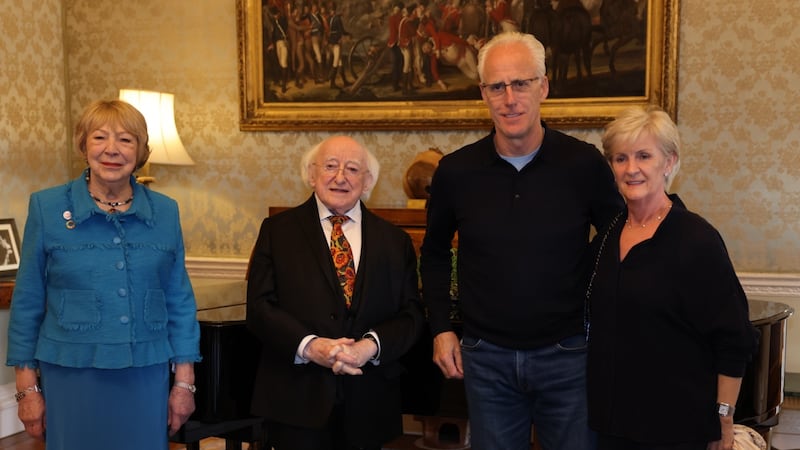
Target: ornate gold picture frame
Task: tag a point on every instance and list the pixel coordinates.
(306, 92)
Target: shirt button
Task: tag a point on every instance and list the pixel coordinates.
(124, 319)
(117, 240)
(121, 265)
(122, 292)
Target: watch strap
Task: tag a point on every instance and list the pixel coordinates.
(725, 409)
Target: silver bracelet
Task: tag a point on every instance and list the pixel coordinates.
(189, 387)
(21, 394)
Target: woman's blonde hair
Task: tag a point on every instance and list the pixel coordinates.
(113, 112)
(652, 120)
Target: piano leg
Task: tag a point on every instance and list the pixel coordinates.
(231, 444)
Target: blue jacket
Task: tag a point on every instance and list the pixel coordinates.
(102, 290)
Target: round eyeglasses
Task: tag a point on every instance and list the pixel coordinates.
(348, 169)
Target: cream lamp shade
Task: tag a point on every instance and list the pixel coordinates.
(165, 143)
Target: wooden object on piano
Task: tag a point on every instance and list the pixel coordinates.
(6, 289)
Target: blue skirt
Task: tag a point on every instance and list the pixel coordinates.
(103, 409)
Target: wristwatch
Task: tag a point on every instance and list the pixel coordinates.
(21, 394)
(189, 387)
(725, 410)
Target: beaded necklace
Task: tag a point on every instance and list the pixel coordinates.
(113, 205)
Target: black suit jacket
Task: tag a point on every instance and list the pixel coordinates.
(293, 291)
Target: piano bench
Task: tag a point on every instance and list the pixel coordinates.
(233, 431)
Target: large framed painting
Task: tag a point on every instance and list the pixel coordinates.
(400, 65)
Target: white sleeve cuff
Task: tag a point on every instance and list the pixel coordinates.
(375, 360)
(298, 357)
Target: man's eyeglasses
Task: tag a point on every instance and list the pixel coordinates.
(517, 86)
(349, 170)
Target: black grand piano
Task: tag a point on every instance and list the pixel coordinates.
(224, 378)
(224, 381)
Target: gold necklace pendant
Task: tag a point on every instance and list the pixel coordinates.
(662, 213)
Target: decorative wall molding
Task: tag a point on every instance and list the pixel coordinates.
(9, 423)
(207, 267)
(773, 284)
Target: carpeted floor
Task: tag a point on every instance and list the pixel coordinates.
(207, 444)
(785, 436)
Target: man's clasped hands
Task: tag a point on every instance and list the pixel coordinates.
(342, 355)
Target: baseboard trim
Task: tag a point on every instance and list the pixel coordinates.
(227, 268)
(791, 384)
(772, 284)
(9, 422)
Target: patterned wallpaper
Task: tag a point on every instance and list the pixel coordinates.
(737, 113)
(33, 117)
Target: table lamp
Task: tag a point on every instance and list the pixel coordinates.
(165, 143)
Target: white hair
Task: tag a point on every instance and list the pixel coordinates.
(373, 166)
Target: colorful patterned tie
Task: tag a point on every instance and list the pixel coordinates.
(342, 258)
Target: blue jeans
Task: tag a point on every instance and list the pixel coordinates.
(508, 390)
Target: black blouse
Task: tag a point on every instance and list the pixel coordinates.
(664, 323)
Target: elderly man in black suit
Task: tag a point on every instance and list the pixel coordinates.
(333, 317)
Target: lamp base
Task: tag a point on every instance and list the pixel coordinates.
(145, 180)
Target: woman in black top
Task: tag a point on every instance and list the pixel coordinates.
(670, 335)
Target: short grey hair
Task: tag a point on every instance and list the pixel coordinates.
(533, 45)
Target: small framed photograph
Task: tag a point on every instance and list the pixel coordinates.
(9, 248)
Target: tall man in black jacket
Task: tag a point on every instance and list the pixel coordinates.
(523, 200)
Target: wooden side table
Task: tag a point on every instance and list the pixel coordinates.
(6, 289)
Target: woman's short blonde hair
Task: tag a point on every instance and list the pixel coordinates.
(652, 120)
(113, 112)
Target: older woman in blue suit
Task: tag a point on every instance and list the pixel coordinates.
(103, 306)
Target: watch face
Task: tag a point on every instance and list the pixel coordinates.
(723, 409)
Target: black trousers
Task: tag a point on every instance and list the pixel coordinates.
(330, 437)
